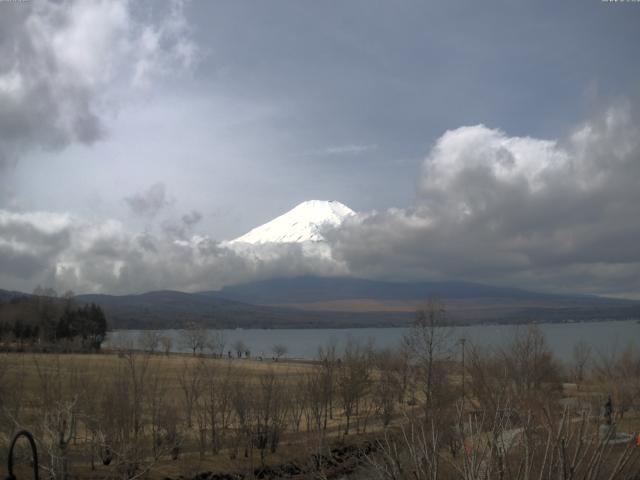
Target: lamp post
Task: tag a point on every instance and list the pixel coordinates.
(462, 343)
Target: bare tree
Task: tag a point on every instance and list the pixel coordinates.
(279, 350)
(195, 339)
(315, 402)
(297, 402)
(400, 364)
(429, 343)
(353, 380)
(239, 347)
(149, 341)
(216, 343)
(270, 413)
(386, 385)
(217, 403)
(166, 342)
(566, 446)
(59, 426)
(619, 372)
(190, 380)
(157, 405)
(529, 361)
(243, 406)
(171, 437)
(411, 455)
(581, 356)
(59, 412)
(315, 415)
(121, 416)
(328, 359)
(489, 384)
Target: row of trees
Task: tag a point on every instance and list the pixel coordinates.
(43, 320)
(197, 341)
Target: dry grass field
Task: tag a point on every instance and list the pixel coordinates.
(105, 365)
(97, 393)
(130, 414)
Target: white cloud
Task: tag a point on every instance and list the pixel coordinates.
(68, 252)
(515, 210)
(349, 149)
(523, 160)
(62, 63)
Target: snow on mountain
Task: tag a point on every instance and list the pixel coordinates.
(303, 223)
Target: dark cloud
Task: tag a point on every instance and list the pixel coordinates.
(149, 202)
(30, 247)
(191, 218)
(184, 227)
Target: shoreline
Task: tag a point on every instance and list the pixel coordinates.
(376, 326)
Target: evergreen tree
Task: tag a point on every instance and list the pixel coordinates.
(45, 318)
(98, 326)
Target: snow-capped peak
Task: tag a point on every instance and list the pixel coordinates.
(303, 223)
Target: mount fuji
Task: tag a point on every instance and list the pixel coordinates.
(327, 296)
(304, 223)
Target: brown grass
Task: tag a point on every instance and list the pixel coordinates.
(92, 369)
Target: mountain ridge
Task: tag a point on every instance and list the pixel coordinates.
(309, 288)
(306, 302)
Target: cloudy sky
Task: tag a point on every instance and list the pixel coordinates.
(487, 141)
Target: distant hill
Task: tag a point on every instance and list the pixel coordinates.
(9, 294)
(171, 309)
(466, 302)
(308, 302)
(319, 289)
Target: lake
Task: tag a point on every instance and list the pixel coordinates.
(604, 337)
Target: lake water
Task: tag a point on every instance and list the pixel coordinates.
(604, 337)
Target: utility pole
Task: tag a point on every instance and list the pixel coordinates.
(462, 343)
